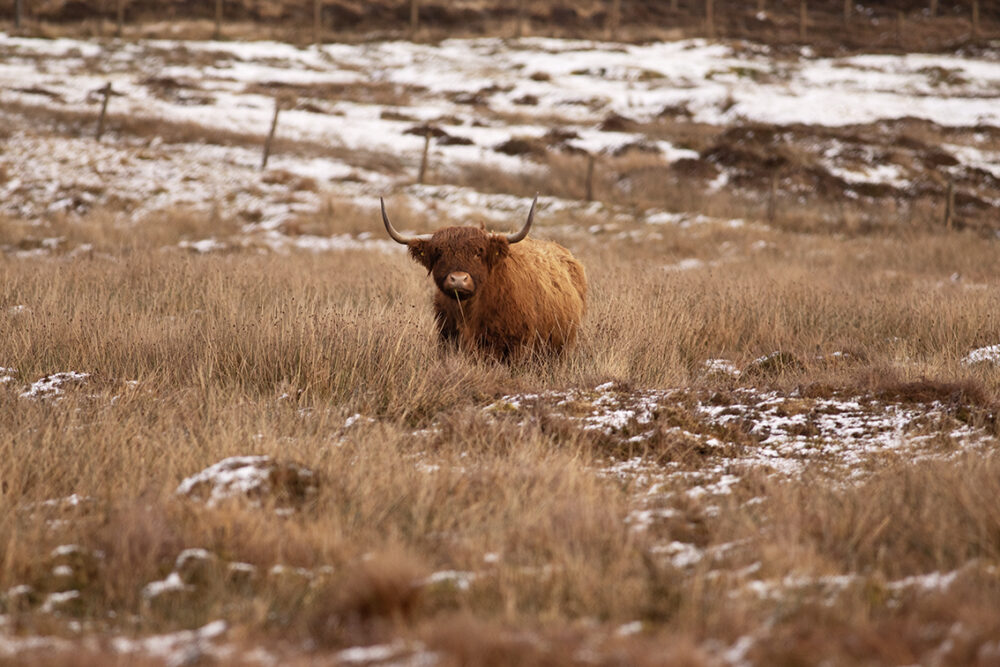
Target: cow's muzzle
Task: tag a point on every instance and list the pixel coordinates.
(459, 285)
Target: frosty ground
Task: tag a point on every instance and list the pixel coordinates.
(228, 433)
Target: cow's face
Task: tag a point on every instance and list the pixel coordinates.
(460, 258)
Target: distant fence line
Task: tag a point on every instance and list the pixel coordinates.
(949, 220)
(709, 15)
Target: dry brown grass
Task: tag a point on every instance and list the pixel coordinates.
(247, 353)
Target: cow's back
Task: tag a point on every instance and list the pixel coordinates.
(535, 296)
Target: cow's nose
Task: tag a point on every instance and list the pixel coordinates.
(458, 280)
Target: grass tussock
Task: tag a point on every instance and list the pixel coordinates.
(907, 520)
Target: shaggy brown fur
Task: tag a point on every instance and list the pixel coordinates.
(525, 296)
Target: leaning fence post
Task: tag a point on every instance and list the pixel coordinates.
(270, 135)
(422, 174)
(949, 206)
(591, 162)
(106, 91)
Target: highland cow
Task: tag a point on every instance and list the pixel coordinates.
(503, 294)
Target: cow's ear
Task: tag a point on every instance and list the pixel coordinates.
(496, 249)
(422, 251)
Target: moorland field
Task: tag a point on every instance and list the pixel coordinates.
(228, 435)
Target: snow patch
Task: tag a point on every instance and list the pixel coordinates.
(178, 648)
(459, 579)
(52, 386)
(173, 583)
(252, 478)
(990, 354)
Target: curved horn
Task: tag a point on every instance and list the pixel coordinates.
(519, 236)
(396, 236)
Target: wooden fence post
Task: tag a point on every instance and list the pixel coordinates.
(615, 19)
(270, 135)
(772, 199)
(120, 18)
(218, 20)
(933, 8)
(710, 18)
(519, 30)
(18, 11)
(848, 10)
(949, 207)
(414, 18)
(900, 25)
(422, 174)
(591, 162)
(101, 8)
(803, 19)
(317, 21)
(975, 19)
(106, 91)
(673, 5)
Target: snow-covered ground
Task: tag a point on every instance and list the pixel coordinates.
(482, 92)
(842, 439)
(581, 81)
